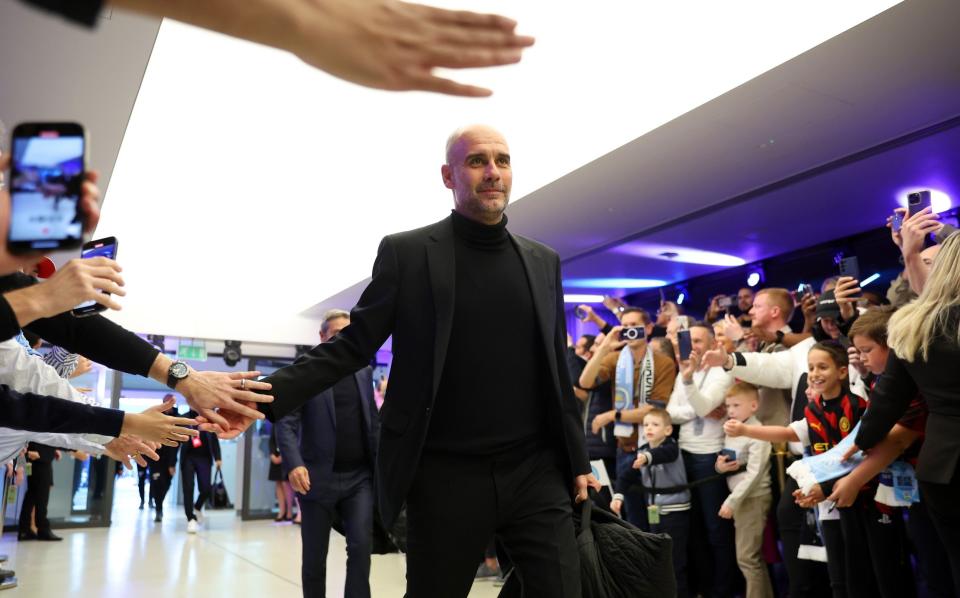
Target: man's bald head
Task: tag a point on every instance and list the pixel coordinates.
(470, 132)
(478, 172)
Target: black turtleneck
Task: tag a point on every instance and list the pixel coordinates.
(491, 395)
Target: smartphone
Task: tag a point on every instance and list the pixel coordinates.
(580, 313)
(844, 341)
(684, 322)
(106, 247)
(725, 302)
(850, 266)
(896, 223)
(686, 344)
(632, 333)
(46, 177)
(730, 454)
(917, 201)
(805, 289)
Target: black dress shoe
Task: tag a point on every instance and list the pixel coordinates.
(6, 573)
(159, 517)
(48, 536)
(24, 536)
(141, 505)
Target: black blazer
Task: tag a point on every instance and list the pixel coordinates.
(307, 436)
(411, 297)
(938, 380)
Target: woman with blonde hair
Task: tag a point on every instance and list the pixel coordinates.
(924, 338)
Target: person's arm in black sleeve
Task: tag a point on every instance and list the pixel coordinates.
(667, 452)
(94, 337)
(38, 413)
(889, 400)
(9, 327)
(371, 322)
(84, 12)
(288, 428)
(606, 328)
(99, 340)
(570, 405)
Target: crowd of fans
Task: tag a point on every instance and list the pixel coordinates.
(703, 446)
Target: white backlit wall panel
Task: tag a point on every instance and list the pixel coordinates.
(250, 186)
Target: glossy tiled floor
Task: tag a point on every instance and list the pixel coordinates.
(137, 558)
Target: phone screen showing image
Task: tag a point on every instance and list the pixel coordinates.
(46, 178)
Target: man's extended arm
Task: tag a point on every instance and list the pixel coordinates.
(371, 322)
(385, 44)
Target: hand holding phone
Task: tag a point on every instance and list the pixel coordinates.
(46, 185)
(850, 266)
(106, 247)
(896, 221)
(918, 201)
(685, 344)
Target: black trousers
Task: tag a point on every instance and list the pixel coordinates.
(37, 497)
(876, 560)
(349, 495)
(142, 475)
(677, 526)
(159, 486)
(836, 557)
(942, 505)
(807, 578)
(456, 503)
(932, 561)
(199, 466)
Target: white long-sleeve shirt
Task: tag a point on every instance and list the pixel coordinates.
(689, 405)
(755, 454)
(24, 373)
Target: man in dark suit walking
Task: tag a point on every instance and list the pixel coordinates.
(329, 447)
(479, 436)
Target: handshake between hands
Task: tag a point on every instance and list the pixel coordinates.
(224, 401)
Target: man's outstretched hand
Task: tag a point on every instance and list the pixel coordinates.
(216, 394)
(384, 44)
(235, 422)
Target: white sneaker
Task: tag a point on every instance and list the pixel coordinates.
(192, 526)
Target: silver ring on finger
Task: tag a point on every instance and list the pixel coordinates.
(243, 383)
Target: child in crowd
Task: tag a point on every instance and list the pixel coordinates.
(659, 466)
(828, 418)
(749, 501)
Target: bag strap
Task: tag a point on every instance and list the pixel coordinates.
(218, 476)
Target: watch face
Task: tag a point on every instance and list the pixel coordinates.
(178, 370)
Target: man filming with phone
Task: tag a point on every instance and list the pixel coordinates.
(641, 378)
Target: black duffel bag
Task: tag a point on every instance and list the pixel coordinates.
(617, 560)
(219, 499)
